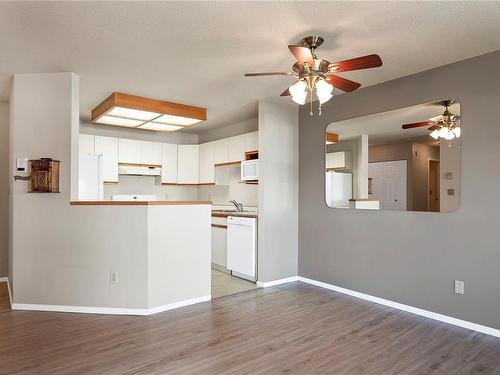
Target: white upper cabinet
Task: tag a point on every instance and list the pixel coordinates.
(129, 151)
(86, 144)
(151, 153)
(251, 141)
(236, 148)
(206, 163)
(338, 160)
(108, 147)
(169, 164)
(221, 151)
(188, 159)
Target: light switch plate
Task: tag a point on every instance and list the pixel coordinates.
(113, 278)
(459, 287)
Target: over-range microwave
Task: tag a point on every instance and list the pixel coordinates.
(250, 170)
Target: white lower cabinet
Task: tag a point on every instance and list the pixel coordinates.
(219, 242)
(188, 164)
(108, 147)
(207, 169)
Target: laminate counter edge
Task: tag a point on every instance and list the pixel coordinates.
(139, 203)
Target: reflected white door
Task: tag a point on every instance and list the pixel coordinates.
(389, 184)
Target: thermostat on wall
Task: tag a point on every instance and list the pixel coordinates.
(22, 165)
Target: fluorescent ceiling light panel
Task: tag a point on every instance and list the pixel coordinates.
(177, 120)
(118, 121)
(133, 111)
(135, 114)
(160, 127)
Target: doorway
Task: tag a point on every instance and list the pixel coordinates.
(433, 201)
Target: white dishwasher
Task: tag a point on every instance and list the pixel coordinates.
(242, 247)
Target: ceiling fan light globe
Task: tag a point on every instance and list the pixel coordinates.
(298, 88)
(323, 97)
(457, 131)
(300, 98)
(449, 136)
(323, 87)
(443, 132)
(435, 134)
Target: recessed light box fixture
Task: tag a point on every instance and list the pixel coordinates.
(133, 111)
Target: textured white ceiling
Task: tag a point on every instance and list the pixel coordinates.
(196, 53)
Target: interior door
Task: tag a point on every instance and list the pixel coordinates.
(433, 186)
(389, 184)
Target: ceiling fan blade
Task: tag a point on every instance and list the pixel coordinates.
(433, 127)
(416, 125)
(302, 54)
(286, 93)
(358, 63)
(342, 83)
(268, 74)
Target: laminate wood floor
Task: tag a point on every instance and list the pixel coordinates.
(294, 328)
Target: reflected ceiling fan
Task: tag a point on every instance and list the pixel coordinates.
(446, 126)
(314, 74)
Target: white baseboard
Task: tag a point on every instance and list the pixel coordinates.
(6, 280)
(277, 282)
(109, 310)
(415, 310)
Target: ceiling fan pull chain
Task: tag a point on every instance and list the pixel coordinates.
(319, 109)
(311, 112)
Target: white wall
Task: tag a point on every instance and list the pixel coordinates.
(180, 271)
(278, 189)
(223, 194)
(4, 189)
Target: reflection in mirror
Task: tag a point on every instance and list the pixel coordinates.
(407, 159)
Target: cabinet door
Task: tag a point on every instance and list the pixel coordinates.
(151, 153)
(129, 151)
(187, 164)
(219, 246)
(169, 164)
(206, 163)
(86, 144)
(220, 151)
(251, 141)
(236, 148)
(108, 147)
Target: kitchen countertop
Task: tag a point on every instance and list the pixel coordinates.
(217, 213)
(138, 203)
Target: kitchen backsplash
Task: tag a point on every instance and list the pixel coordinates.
(150, 185)
(222, 194)
(219, 194)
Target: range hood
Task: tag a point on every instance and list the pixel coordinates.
(139, 170)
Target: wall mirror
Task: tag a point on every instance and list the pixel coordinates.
(407, 159)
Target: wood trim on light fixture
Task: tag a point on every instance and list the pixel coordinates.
(119, 99)
(331, 137)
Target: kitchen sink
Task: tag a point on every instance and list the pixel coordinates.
(230, 210)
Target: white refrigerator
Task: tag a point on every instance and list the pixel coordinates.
(338, 189)
(90, 181)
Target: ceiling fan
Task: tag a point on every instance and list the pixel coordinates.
(314, 74)
(445, 126)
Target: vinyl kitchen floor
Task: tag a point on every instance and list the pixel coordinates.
(223, 284)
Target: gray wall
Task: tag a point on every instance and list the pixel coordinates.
(413, 257)
(278, 189)
(4, 189)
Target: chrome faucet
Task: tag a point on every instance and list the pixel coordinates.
(239, 206)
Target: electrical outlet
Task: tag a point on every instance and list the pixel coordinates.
(459, 287)
(113, 278)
